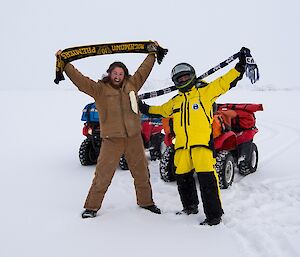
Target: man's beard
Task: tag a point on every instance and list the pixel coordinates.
(116, 83)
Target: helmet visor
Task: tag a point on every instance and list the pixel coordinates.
(181, 68)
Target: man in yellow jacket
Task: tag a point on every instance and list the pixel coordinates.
(192, 114)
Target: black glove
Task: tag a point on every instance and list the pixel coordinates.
(241, 65)
(144, 108)
(248, 65)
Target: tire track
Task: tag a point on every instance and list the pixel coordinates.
(288, 136)
(261, 215)
(264, 212)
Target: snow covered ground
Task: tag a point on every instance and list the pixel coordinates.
(43, 188)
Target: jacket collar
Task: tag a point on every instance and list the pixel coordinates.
(191, 91)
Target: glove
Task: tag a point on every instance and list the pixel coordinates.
(247, 64)
(241, 65)
(144, 108)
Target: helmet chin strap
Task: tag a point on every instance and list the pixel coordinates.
(188, 85)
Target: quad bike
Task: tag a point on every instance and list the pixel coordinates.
(152, 136)
(151, 130)
(234, 146)
(90, 147)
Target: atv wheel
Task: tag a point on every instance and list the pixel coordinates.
(155, 154)
(225, 166)
(254, 158)
(250, 166)
(123, 163)
(155, 146)
(166, 165)
(87, 154)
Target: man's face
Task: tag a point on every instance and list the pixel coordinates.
(117, 76)
(184, 78)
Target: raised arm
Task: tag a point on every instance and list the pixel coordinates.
(222, 84)
(142, 73)
(83, 83)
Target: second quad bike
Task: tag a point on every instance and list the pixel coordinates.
(234, 129)
(90, 147)
(151, 130)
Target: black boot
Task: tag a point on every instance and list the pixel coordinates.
(193, 209)
(211, 222)
(88, 214)
(153, 208)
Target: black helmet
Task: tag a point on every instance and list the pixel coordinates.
(180, 70)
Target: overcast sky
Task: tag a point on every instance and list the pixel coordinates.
(202, 33)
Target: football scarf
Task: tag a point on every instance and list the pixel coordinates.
(76, 53)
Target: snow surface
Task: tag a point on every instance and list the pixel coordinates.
(43, 188)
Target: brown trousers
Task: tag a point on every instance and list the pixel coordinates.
(108, 161)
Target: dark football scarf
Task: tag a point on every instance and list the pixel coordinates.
(76, 53)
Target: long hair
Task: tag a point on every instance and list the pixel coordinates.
(114, 65)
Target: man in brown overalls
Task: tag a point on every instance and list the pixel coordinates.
(115, 96)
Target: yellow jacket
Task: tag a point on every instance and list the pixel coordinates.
(192, 111)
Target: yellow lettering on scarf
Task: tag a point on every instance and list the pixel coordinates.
(127, 47)
(79, 51)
